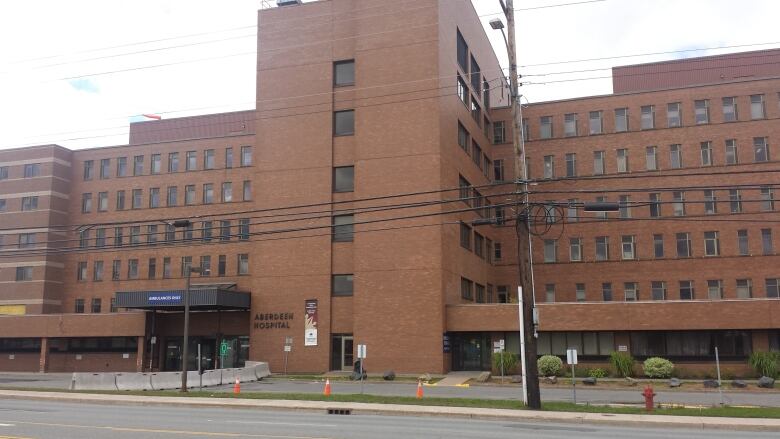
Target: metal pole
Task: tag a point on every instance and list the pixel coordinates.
(361, 374)
(200, 372)
(184, 349)
(573, 385)
(502, 365)
(717, 367)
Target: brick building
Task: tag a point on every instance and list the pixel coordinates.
(344, 211)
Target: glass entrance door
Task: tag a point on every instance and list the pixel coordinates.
(471, 351)
(342, 355)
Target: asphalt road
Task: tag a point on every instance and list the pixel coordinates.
(62, 420)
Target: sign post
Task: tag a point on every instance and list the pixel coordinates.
(571, 358)
(498, 348)
(200, 370)
(362, 357)
(287, 349)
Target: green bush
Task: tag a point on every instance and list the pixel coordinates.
(549, 365)
(765, 363)
(623, 363)
(509, 360)
(597, 373)
(656, 367)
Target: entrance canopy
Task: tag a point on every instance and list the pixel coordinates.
(201, 297)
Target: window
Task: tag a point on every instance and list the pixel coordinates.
(32, 170)
(102, 202)
(772, 290)
(247, 190)
(525, 130)
(714, 289)
(89, 170)
(572, 212)
(463, 137)
(476, 111)
(550, 250)
(166, 274)
(648, 117)
(154, 197)
(121, 167)
(228, 158)
(243, 229)
(596, 124)
(86, 203)
(105, 168)
(100, 238)
(173, 195)
(209, 159)
(606, 292)
(137, 197)
(678, 204)
(655, 205)
(2, 205)
(499, 132)
(571, 165)
(735, 200)
(684, 245)
(767, 198)
(476, 154)
(120, 200)
(205, 265)
(342, 285)
(731, 152)
(675, 156)
(344, 73)
(24, 274)
(686, 290)
(476, 76)
(711, 244)
(466, 289)
(246, 156)
(706, 153)
(702, 110)
(207, 230)
(486, 98)
(710, 202)
(549, 166)
(192, 161)
(208, 193)
(135, 235)
(156, 164)
(118, 236)
(465, 236)
(132, 269)
(658, 290)
(631, 290)
(570, 125)
(497, 251)
(173, 162)
(575, 249)
(761, 149)
(96, 305)
(549, 290)
(170, 233)
(629, 247)
(579, 292)
(152, 272)
(673, 116)
(78, 307)
(344, 123)
(151, 234)
(622, 160)
(742, 242)
(651, 158)
(81, 272)
(29, 203)
(480, 293)
(116, 268)
(462, 52)
(658, 246)
(757, 107)
(744, 288)
(97, 271)
(766, 241)
(598, 162)
(545, 127)
(621, 120)
(221, 265)
(730, 109)
(479, 245)
(138, 165)
(84, 238)
(224, 230)
(463, 91)
(498, 170)
(189, 194)
(602, 248)
(625, 206)
(227, 192)
(343, 228)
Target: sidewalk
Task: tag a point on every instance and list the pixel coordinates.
(412, 410)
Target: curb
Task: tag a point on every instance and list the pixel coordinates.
(696, 422)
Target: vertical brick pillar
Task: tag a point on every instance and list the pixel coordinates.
(43, 365)
(139, 356)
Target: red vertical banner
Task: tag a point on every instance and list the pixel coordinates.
(310, 324)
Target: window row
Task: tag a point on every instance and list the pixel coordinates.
(673, 113)
(472, 148)
(171, 197)
(95, 305)
(714, 289)
(682, 246)
(30, 170)
(27, 204)
(479, 293)
(187, 161)
(483, 247)
(152, 234)
(165, 270)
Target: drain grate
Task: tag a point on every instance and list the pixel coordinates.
(339, 411)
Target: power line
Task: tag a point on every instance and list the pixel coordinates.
(652, 175)
(533, 8)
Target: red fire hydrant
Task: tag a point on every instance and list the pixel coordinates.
(649, 394)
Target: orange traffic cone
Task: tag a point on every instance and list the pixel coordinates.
(326, 391)
(237, 386)
(419, 389)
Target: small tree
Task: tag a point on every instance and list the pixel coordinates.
(508, 359)
(656, 367)
(549, 365)
(623, 363)
(765, 363)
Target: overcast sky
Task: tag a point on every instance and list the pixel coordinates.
(53, 90)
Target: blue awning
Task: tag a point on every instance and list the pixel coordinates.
(200, 298)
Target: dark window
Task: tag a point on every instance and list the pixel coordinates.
(96, 305)
(344, 123)
(33, 170)
(224, 230)
(138, 165)
(152, 268)
(606, 292)
(222, 265)
(116, 268)
(476, 78)
(463, 52)
(463, 91)
(342, 285)
(344, 179)
(243, 229)
(343, 228)
(79, 306)
(686, 290)
(463, 137)
(466, 289)
(344, 72)
(173, 162)
(89, 170)
(465, 236)
(121, 167)
(156, 164)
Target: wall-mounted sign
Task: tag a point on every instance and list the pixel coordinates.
(622, 348)
(446, 346)
(310, 324)
(275, 320)
(165, 299)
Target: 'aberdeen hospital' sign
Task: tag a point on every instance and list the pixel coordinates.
(277, 320)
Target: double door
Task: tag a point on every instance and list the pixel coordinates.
(342, 352)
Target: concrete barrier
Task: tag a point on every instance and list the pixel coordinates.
(133, 381)
(166, 380)
(93, 381)
(260, 367)
(212, 378)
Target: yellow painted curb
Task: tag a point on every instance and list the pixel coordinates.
(462, 385)
(429, 384)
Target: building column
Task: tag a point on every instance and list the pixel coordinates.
(43, 365)
(139, 356)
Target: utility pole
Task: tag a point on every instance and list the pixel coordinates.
(531, 383)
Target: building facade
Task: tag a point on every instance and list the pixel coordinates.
(368, 199)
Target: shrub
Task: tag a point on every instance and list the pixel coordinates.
(549, 365)
(509, 360)
(623, 364)
(656, 367)
(597, 373)
(765, 363)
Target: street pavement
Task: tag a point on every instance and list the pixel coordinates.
(22, 419)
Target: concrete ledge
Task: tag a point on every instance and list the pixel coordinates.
(697, 422)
